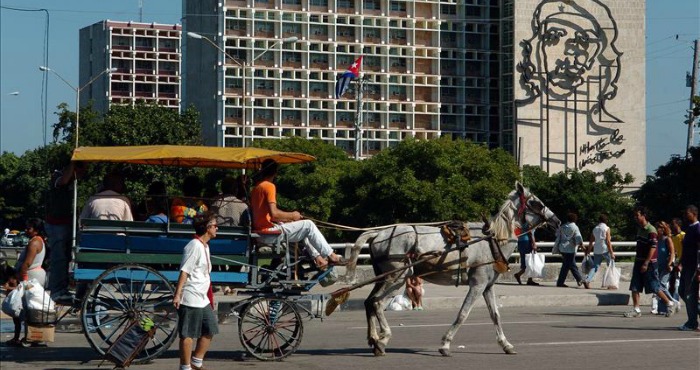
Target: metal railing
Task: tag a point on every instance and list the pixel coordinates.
(621, 248)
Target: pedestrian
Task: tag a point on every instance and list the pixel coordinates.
(569, 240)
(677, 235)
(665, 256)
(28, 266)
(601, 245)
(414, 291)
(526, 245)
(645, 273)
(58, 226)
(690, 268)
(194, 299)
(263, 205)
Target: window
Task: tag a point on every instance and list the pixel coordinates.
(345, 31)
(344, 3)
(398, 6)
(291, 2)
(371, 5)
(318, 2)
(318, 30)
(264, 27)
(317, 87)
(448, 9)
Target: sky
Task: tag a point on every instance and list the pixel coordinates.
(22, 51)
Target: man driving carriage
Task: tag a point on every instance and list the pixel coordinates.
(271, 222)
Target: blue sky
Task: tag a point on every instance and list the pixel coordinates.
(22, 51)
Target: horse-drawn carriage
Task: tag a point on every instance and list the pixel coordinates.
(131, 266)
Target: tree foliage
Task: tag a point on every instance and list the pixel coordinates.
(587, 194)
(674, 185)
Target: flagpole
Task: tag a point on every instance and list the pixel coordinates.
(358, 117)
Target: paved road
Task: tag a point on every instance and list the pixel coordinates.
(546, 338)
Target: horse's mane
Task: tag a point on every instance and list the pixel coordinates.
(503, 223)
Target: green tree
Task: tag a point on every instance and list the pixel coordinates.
(433, 180)
(673, 186)
(586, 193)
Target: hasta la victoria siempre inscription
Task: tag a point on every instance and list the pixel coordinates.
(599, 151)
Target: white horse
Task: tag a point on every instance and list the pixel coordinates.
(392, 248)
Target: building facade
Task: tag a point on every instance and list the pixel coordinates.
(579, 85)
(146, 58)
(498, 72)
(428, 71)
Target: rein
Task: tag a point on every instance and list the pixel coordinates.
(330, 225)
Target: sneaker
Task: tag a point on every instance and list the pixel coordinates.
(654, 312)
(633, 313)
(686, 328)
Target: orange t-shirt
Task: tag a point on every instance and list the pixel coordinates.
(260, 198)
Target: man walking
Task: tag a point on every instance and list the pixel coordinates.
(645, 274)
(690, 268)
(193, 298)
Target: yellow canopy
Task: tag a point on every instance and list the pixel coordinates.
(187, 156)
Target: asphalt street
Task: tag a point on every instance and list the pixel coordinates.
(581, 337)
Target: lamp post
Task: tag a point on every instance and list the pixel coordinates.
(77, 127)
(77, 93)
(243, 65)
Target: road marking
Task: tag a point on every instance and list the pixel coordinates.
(608, 341)
(468, 324)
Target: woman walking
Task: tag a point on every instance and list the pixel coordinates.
(569, 240)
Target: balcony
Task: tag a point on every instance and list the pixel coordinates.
(230, 32)
(120, 93)
(291, 93)
(236, 91)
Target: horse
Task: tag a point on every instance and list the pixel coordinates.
(439, 262)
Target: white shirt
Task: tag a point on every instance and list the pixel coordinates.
(600, 233)
(107, 205)
(197, 264)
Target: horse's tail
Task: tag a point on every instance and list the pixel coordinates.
(353, 252)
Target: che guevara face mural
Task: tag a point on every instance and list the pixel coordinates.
(570, 66)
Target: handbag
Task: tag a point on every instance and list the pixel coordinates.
(611, 278)
(587, 264)
(555, 249)
(534, 265)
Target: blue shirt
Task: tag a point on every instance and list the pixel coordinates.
(158, 219)
(568, 238)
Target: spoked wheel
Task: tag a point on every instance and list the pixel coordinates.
(126, 293)
(270, 329)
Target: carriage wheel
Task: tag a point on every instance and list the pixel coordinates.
(270, 329)
(125, 293)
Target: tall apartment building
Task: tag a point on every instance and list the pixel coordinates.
(547, 80)
(429, 72)
(146, 58)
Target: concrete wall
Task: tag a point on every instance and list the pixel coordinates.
(580, 84)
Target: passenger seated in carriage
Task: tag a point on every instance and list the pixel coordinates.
(272, 223)
(184, 210)
(109, 203)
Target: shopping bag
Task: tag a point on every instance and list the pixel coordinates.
(12, 305)
(611, 278)
(534, 265)
(37, 298)
(587, 264)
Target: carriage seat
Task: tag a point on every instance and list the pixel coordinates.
(270, 241)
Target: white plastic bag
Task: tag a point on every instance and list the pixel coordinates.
(37, 298)
(611, 278)
(534, 265)
(12, 305)
(399, 303)
(587, 264)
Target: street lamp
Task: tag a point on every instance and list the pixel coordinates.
(77, 127)
(243, 65)
(77, 93)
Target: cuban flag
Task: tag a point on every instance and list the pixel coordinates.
(344, 80)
